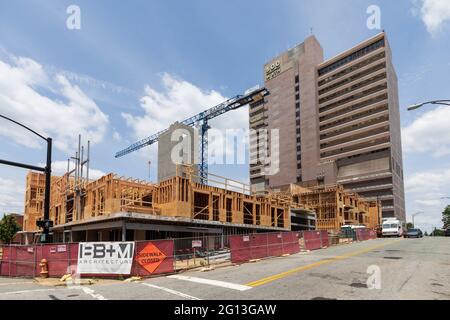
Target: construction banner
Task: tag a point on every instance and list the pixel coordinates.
(105, 257)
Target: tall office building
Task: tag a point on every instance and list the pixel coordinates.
(289, 115)
(347, 121)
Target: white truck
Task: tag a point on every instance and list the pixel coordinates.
(393, 227)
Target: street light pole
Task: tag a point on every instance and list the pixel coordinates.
(438, 102)
(48, 180)
(46, 224)
(379, 207)
(413, 215)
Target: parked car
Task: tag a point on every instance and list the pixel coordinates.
(414, 233)
(447, 232)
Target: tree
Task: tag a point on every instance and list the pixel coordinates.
(8, 228)
(438, 233)
(446, 217)
(409, 225)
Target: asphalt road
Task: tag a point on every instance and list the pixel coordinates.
(397, 268)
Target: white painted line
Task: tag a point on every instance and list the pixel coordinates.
(89, 292)
(27, 291)
(216, 283)
(178, 293)
(11, 283)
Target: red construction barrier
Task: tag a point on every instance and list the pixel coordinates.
(314, 240)
(61, 258)
(257, 246)
(150, 257)
(364, 234)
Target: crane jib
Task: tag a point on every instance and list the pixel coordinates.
(229, 105)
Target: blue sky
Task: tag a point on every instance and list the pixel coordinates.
(131, 58)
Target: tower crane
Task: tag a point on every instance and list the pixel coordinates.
(202, 121)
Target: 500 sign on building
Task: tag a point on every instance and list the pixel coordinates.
(105, 257)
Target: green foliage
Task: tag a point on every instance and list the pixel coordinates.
(446, 217)
(438, 233)
(409, 225)
(8, 228)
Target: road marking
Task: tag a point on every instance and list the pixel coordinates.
(314, 265)
(88, 291)
(26, 291)
(216, 283)
(10, 283)
(178, 293)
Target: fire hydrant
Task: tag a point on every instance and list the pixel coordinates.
(44, 268)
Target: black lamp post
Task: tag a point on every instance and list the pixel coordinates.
(45, 224)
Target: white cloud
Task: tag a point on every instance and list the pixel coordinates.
(47, 103)
(116, 136)
(434, 14)
(424, 191)
(12, 195)
(428, 133)
(429, 182)
(179, 100)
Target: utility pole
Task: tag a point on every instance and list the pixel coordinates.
(379, 208)
(149, 172)
(413, 215)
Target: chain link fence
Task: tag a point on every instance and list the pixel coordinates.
(201, 251)
(177, 254)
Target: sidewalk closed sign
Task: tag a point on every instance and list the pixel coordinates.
(105, 257)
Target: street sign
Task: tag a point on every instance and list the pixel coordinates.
(196, 243)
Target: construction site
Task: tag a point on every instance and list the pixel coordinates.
(187, 200)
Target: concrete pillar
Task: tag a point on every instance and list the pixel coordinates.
(124, 231)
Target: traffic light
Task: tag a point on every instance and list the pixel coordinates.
(44, 224)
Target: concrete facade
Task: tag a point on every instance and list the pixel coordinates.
(178, 145)
(286, 120)
(338, 121)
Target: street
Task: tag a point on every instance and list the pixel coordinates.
(402, 269)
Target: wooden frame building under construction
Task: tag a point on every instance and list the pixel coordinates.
(336, 207)
(116, 208)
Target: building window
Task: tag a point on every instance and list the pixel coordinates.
(353, 56)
